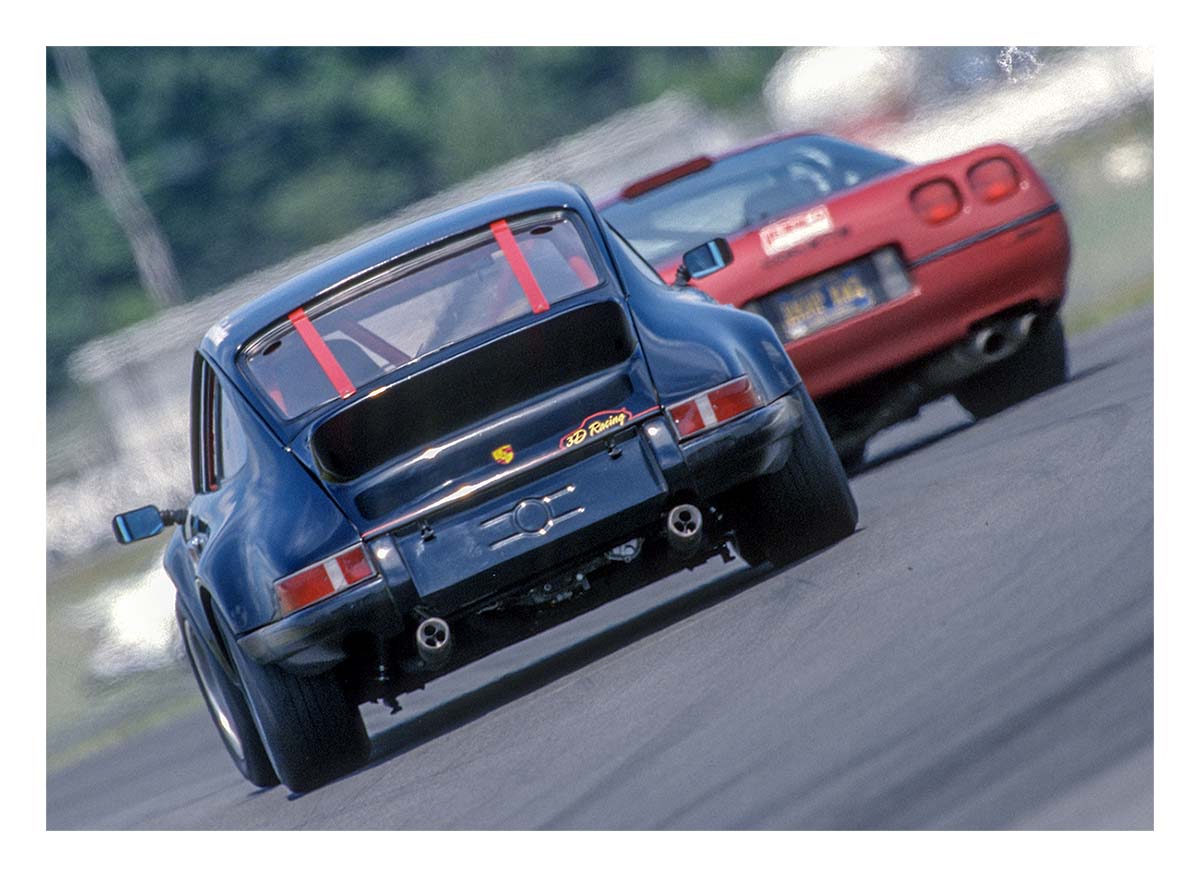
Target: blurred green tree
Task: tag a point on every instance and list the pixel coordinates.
(248, 155)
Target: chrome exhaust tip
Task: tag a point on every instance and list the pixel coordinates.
(1027, 324)
(991, 344)
(685, 528)
(433, 642)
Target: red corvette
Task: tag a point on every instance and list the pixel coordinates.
(891, 284)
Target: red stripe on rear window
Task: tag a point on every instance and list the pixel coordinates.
(516, 261)
(321, 353)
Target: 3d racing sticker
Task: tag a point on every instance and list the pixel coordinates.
(792, 231)
(503, 454)
(594, 425)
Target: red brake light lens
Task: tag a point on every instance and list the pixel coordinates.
(993, 179)
(936, 201)
(641, 187)
(687, 418)
(355, 566)
(322, 579)
(714, 406)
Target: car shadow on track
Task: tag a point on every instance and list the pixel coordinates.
(407, 735)
(1085, 373)
(903, 451)
(933, 437)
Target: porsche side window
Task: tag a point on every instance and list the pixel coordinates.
(232, 438)
(218, 438)
(208, 439)
(204, 448)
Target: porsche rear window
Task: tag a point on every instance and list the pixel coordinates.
(743, 191)
(439, 297)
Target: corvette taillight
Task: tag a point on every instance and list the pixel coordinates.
(936, 201)
(318, 581)
(714, 406)
(993, 179)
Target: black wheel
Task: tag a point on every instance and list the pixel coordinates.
(805, 506)
(311, 730)
(227, 707)
(1039, 364)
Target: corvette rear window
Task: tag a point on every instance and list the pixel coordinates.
(439, 297)
(743, 191)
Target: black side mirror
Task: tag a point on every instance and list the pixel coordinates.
(708, 258)
(143, 523)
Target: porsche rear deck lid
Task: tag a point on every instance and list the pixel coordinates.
(417, 412)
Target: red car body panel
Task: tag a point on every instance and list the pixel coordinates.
(987, 258)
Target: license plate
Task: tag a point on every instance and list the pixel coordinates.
(825, 299)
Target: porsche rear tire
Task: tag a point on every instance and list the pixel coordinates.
(227, 707)
(1038, 365)
(312, 732)
(804, 507)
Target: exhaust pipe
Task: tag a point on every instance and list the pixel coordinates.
(992, 343)
(999, 340)
(685, 528)
(1027, 324)
(942, 372)
(433, 642)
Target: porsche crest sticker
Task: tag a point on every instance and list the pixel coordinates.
(503, 455)
(594, 425)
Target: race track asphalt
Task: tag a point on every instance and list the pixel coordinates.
(978, 655)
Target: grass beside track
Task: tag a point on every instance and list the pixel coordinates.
(85, 713)
(1099, 313)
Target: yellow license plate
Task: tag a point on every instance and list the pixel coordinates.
(823, 302)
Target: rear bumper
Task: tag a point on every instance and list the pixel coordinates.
(758, 443)
(954, 289)
(461, 565)
(310, 639)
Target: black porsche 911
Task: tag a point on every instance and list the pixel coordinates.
(424, 448)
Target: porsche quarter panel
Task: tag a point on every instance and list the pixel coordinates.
(692, 343)
(299, 524)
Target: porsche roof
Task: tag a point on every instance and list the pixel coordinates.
(224, 339)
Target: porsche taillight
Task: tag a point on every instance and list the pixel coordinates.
(707, 409)
(936, 201)
(993, 179)
(322, 579)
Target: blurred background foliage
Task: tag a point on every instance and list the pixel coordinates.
(249, 155)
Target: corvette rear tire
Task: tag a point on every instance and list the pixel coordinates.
(1038, 365)
(805, 506)
(311, 730)
(852, 457)
(227, 707)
